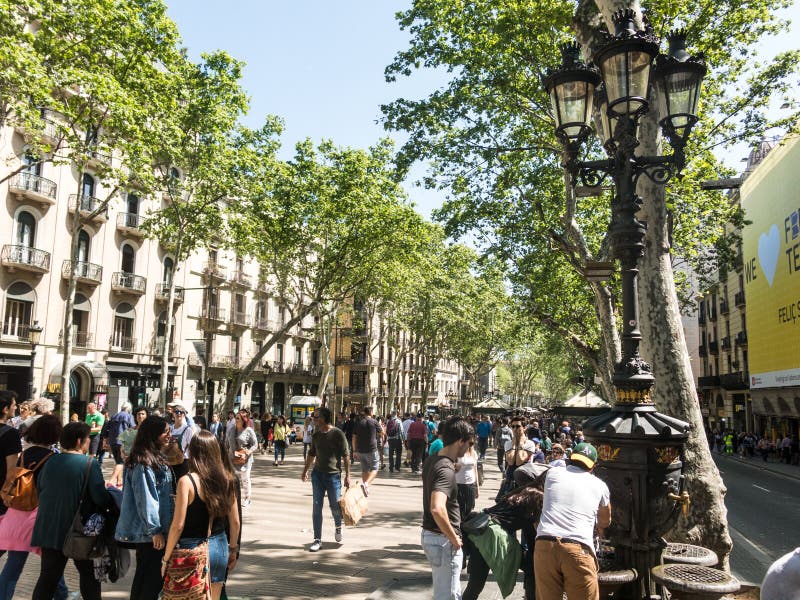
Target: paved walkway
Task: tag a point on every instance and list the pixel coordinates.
(380, 559)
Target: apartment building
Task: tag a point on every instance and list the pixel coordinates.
(750, 346)
(363, 367)
(222, 311)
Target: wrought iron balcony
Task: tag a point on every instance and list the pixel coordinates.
(129, 283)
(726, 342)
(122, 344)
(214, 270)
(738, 299)
(85, 272)
(33, 187)
(738, 380)
(86, 205)
(97, 158)
(241, 278)
(158, 347)
(741, 338)
(130, 223)
(703, 350)
(14, 331)
(80, 339)
(25, 258)
(48, 132)
(724, 308)
(713, 348)
(701, 318)
(213, 316)
(352, 390)
(240, 319)
(261, 323)
(162, 293)
(223, 361)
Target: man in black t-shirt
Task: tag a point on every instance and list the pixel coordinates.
(10, 443)
(366, 435)
(441, 519)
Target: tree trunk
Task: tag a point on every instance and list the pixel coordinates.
(168, 329)
(66, 337)
(664, 346)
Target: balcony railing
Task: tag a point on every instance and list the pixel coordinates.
(738, 380)
(213, 314)
(738, 299)
(240, 319)
(726, 342)
(33, 187)
(724, 308)
(741, 338)
(261, 323)
(353, 389)
(713, 348)
(85, 272)
(14, 331)
(215, 270)
(16, 256)
(48, 132)
(80, 339)
(99, 158)
(158, 347)
(162, 293)
(122, 344)
(86, 205)
(129, 283)
(224, 361)
(130, 223)
(241, 278)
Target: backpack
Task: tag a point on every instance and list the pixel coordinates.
(391, 428)
(20, 491)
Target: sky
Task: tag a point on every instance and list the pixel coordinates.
(319, 65)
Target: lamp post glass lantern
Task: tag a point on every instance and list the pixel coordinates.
(34, 335)
(641, 450)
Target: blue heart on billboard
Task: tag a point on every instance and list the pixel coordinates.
(769, 246)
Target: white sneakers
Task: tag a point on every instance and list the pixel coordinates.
(315, 546)
(338, 535)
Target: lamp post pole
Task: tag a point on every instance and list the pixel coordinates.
(34, 335)
(640, 448)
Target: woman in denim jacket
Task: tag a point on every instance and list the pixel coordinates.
(147, 505)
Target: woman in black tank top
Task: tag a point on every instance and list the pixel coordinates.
(204, 500)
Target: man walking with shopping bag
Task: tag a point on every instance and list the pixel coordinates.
(327, 451)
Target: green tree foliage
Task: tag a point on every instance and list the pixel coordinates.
(328, 219)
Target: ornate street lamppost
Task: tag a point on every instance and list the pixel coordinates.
(640, 447)
(34, 335)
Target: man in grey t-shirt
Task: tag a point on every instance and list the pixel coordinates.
(576, 503)
(441, 520)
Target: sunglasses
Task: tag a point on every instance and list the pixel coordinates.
(179, 412)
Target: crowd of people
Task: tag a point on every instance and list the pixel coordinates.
(745, 444)
(178, 486)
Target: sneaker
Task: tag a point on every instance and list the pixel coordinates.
(365, 489)
(246, 503)
(315, 546)
(338, 535)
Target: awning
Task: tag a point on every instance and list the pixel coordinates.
(14, 360)
(783, 402)
(97, 371)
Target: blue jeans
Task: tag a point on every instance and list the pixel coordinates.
(280, 450)
(321, 484)
(15, 563)
(217, 554)
(445, 565)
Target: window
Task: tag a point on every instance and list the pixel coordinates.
(26, 229)
(161, 332)
(235, 349)
(261, 310)
(122, 337)
(80, 321)
(315, 357)
(87, 186)
(169, 265)
(128, 259)
(83, 246)
(298, 356)
(133, 204)
(279, 352)
(19, 308)
(33, 166)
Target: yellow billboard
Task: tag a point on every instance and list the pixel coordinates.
(770, 197)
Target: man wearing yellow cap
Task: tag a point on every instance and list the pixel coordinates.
(576, 503)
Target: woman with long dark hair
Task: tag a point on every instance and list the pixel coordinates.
(205, 498)
(147, 505)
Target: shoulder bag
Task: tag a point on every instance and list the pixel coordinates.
(78, 545)
(188, 574)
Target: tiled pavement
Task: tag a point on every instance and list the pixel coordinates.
(380, 559)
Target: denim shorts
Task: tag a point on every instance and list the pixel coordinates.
(370, 461)
(217, 554)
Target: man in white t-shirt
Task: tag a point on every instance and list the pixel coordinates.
(576, 503)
